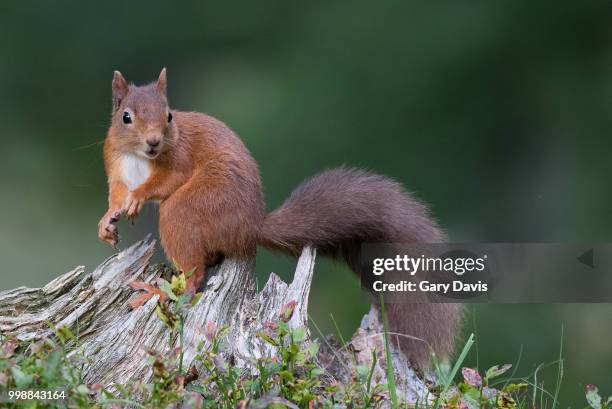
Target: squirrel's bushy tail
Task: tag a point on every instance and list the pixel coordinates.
(338, 210)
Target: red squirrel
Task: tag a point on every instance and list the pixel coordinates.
(211, 204)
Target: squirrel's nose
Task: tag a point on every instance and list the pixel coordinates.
(153, 142)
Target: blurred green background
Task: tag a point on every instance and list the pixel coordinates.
(498, 114)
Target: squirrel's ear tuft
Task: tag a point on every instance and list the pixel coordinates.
(120, 89)
(161, 81)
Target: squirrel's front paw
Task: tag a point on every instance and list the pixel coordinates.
(133, 205)
(107, 231)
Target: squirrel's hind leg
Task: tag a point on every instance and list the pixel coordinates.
(187, 259)
(183, 239)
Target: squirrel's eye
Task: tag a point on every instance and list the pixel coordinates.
(127, 118)
(169, 116)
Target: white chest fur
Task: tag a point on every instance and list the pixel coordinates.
(134, 171)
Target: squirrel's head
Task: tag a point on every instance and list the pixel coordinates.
(142, 122)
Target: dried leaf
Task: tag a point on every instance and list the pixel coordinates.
(286, 311)
(209, 331)
(8, 348)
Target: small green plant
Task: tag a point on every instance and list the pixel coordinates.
(474, 391)
(298, 376)
(172, 313)
(595, 400)
(44, 368)
(290, 378)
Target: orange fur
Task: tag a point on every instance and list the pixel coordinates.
(206, 181)
(211, 203)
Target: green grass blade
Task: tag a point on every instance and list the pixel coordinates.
(390, 372)
(331, 316)
(458, 363)
(559, 373)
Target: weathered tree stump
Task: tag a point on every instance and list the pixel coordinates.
(114, 338)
